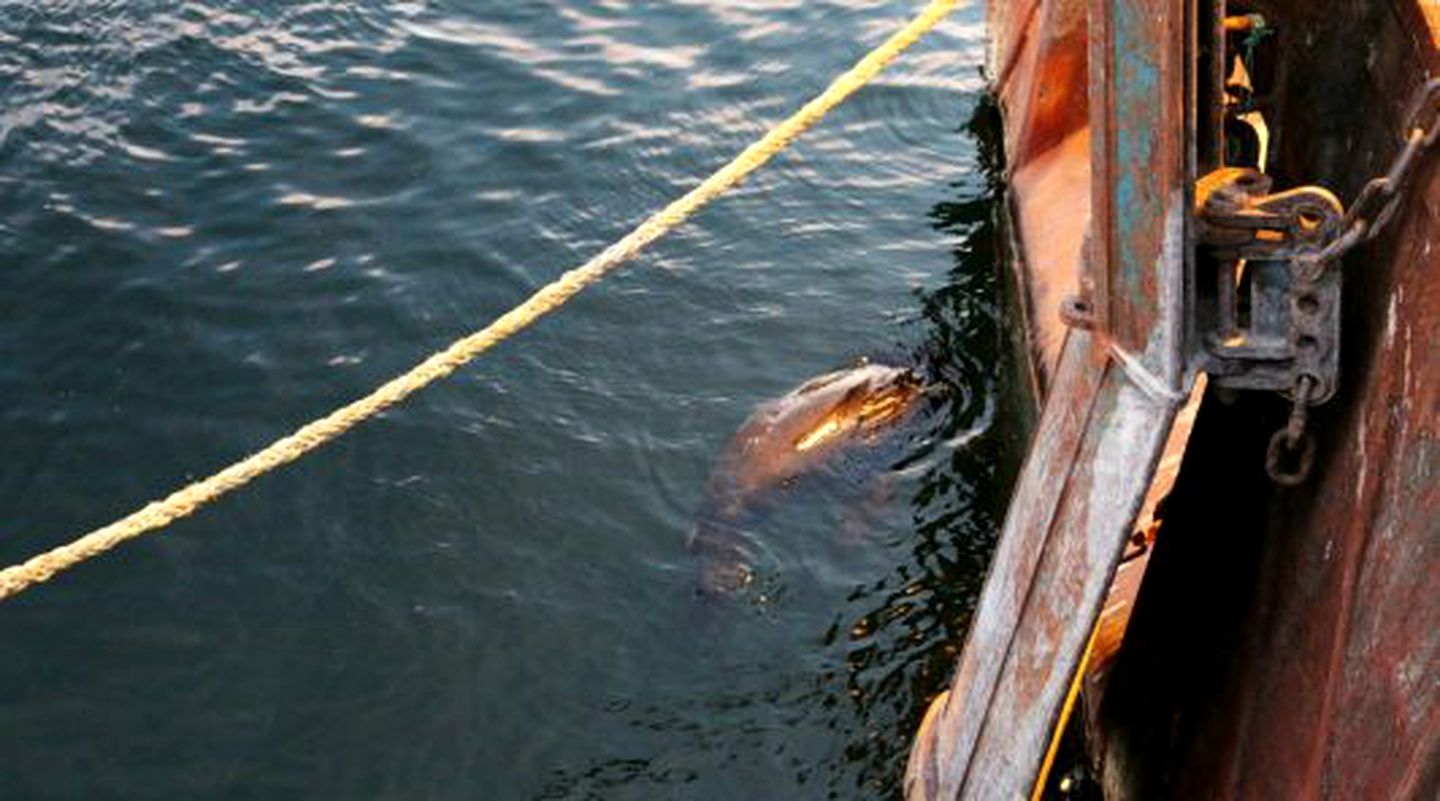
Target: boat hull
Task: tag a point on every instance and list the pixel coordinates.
(1272, 642)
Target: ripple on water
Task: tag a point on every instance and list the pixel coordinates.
(220, 218)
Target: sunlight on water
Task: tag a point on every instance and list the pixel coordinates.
(221, 219)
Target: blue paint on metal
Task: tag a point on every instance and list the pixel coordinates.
(1137, 95)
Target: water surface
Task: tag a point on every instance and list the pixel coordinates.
(219, 220)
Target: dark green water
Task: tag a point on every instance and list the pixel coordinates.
(221, 219)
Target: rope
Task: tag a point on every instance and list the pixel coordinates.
(1057, 734)
(186, 501)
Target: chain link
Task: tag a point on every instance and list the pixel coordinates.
(1291, 453)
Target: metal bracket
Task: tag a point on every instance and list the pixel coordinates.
(1268, 312)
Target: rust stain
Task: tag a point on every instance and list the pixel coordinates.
(1053, 215)
(1141, 163)
(1103, 426)
(1307, 664)
(1431, 11)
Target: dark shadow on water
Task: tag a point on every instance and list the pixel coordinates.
(892, 643)
(901, 634)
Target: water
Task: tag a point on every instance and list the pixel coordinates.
(219, 220)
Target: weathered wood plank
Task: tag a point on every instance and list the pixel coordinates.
(1105, 422)
(957, 727)
(1087, 535)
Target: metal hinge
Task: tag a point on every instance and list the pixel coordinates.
(1267, 289)
(1273, 318)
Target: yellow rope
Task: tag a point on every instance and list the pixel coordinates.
(1057, 734)
(17, 578)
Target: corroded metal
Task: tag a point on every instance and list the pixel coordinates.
(1039, 65)
(1286, 643)
(1141, 130)
(1243, 219)
(1111, 401)
(1290, 456)
(1283, 645)
(1259, 240)
(1287, 245)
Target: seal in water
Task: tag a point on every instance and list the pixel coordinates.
(782, 440)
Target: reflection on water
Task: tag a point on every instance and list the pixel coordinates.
(901, 648)
(221, 218)
(892, 645)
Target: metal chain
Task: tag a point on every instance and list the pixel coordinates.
(1291, 454)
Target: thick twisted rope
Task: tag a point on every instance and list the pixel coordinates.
(186, 501)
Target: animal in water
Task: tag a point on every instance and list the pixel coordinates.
(783, 440)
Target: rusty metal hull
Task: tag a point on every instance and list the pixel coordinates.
(1274, 643)
(1311, 669)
